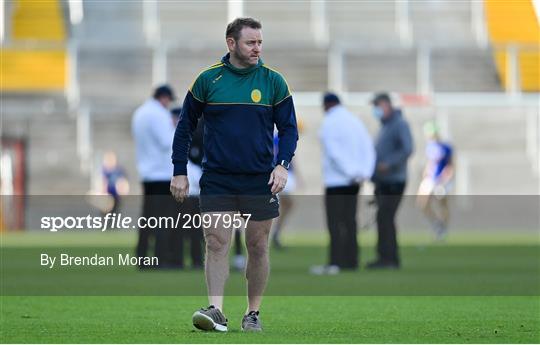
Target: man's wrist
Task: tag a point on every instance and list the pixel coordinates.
(180, 169)
(284, 163)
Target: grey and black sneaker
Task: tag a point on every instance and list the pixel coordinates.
(251, 322)
(210, 319)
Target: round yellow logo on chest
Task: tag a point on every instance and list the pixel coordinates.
(256, 95)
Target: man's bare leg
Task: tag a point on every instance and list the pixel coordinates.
(445, 210)
(258, 264)
(218, 242)
(428, 209)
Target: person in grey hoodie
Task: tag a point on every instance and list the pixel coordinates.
(393, 146)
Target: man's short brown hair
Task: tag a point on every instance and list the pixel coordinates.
(234, 28)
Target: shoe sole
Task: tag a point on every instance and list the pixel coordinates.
(205, 323)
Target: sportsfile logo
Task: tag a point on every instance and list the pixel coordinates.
(109, 221)
(120, 222)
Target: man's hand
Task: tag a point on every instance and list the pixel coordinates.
(180, 187)
(278, 179)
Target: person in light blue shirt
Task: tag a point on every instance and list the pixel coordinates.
(153, 132)
(348, 161)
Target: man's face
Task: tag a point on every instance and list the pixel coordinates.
(386, 107)
(165, 101)
(248, 47)
(109, 160)
(328, 105)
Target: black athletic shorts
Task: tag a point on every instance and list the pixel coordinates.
(243, 193)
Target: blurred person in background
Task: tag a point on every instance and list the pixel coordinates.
(393, 146)
(437, 181)
(239, 260)
(115, 183)
(348, 161)
(153, 132)
(192, 229)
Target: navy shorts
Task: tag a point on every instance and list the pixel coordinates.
(243, 193)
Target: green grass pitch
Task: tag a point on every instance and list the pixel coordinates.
(441, 299)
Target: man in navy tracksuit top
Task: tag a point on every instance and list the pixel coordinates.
(241, 100)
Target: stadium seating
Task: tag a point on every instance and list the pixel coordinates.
(115, 72)
(38, 20)
(516, 23)
(33, 70)
(36, 61)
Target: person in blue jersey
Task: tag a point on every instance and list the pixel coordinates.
(242, 100)
(437, 181)
(115, 182)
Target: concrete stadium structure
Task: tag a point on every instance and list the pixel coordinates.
(123, 49)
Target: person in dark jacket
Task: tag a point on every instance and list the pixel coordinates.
(191, 230)
(393, 147)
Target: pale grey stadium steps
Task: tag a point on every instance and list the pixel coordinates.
(490, 129)
(361, 24)
(121, 75)
(365, 24)
(442, 24)
(283, 26)
(377, 72)
(193, 24)
(357, 24)
(464, 70)
(501, 173)
(112, 23)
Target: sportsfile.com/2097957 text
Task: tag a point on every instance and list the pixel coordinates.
(118, 221)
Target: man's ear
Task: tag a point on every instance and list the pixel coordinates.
(230, 42)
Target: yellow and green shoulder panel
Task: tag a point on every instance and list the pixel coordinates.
(218, 85)
(281, 88)
(199, 86)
